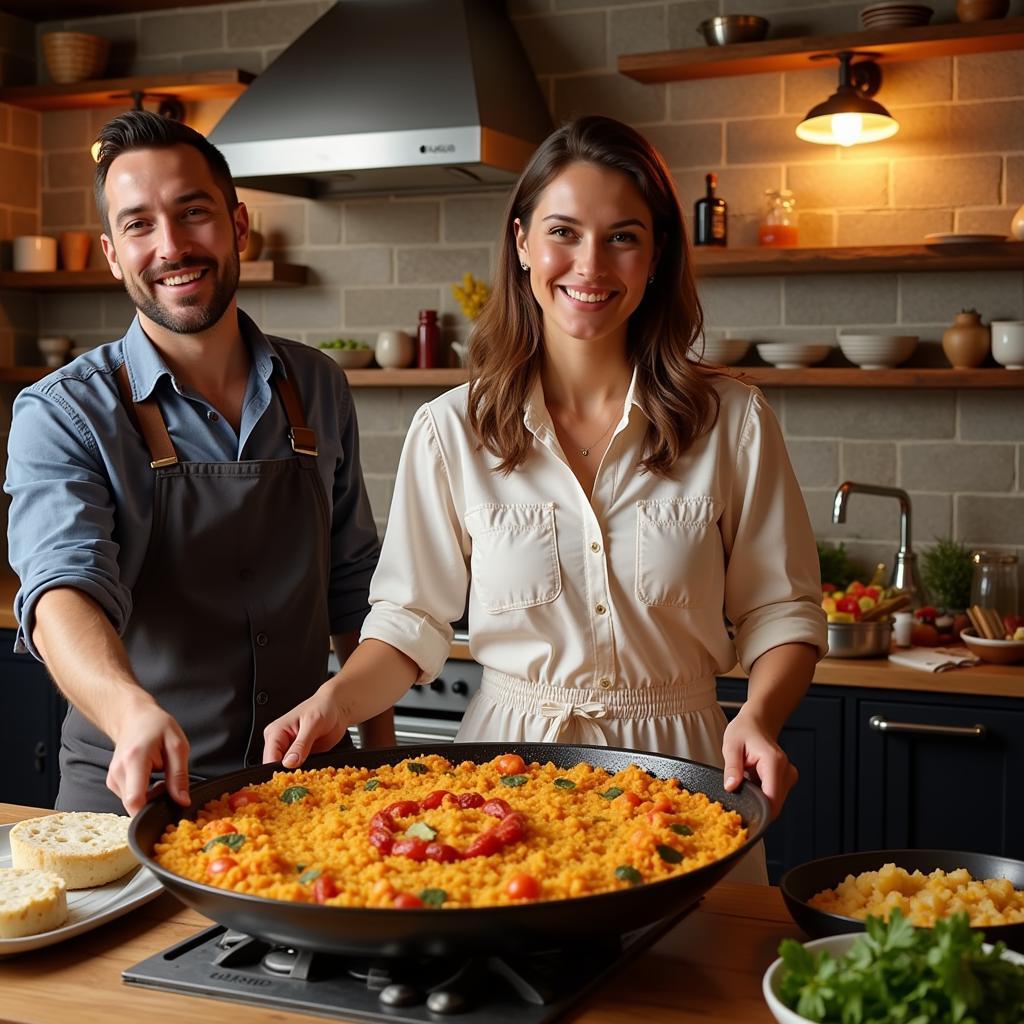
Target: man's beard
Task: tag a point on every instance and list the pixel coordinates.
(189, 317)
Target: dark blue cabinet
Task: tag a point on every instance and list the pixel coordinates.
(31, 710)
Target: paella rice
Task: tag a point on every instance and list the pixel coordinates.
(922, 899)
(426, 831)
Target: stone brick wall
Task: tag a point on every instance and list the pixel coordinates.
(957, 164)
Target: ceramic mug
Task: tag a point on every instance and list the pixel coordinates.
(1008, 343)
(35, 253)
(74, 249)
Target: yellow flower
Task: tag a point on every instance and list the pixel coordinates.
(471, 295)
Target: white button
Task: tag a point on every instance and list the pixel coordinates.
(595, 547)
(600, 609)
(605, 684)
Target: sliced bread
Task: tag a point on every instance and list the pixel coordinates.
(86, 848)
(31, 902)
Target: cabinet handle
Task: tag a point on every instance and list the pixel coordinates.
(730, 705)
(884, 725)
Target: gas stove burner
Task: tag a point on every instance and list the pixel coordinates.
(526, 988)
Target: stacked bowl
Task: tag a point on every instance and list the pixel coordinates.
(877, 351)
(720, 351)
(894, 15)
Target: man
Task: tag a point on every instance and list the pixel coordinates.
(189, 521)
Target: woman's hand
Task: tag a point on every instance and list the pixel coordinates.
(315, 725)
(750, 750)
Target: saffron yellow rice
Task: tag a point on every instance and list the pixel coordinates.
(305, 835)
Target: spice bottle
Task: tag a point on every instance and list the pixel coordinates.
(778, 228)
(710, 216)
(428, 340)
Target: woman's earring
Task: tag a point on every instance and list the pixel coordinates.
(650, 280)
(525, 266)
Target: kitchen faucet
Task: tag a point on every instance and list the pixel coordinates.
(904, 569)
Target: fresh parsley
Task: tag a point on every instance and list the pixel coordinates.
(513, 780)
(293, 794)
(898, 974)
(233, 840)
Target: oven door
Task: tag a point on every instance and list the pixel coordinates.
(413, 729)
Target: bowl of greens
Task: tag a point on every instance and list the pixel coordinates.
(896, 974)
(348, 353)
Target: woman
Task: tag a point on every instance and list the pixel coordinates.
(607, 503)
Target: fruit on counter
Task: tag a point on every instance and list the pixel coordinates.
(346, 343)
(923, 634)
(859, 602)
(1018, 633)
(1012, 624)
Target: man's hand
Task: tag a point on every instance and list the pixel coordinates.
(315, 725)
(749, 748)
(148, 739)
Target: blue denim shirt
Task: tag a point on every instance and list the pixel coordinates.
(82, 488)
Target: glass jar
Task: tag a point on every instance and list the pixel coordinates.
(778, 227)
(994, 581)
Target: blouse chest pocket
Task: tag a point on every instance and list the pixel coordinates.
(515, 555)
(679, 553)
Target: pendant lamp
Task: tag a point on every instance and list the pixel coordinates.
(849, 116)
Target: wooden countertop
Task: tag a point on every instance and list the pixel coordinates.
(708, 969)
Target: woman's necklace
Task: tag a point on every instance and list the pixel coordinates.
(586, 451)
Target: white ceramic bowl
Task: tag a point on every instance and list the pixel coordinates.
(1008, 343)
(836, 945)
(36, 253)
(720, 351)
(788, 355)
(350, 358)
(877, 351)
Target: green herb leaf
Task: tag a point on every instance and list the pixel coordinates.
(342, 807)
(293, 794)
(669, 854)
(628, 873)
(513, 780)
(611, 794)
(421, 830)
(371, 784)
(565, 784)
(417, 769)
(233, 840)
(681, 830)
(433, 897)
(307, 876)
(299, 868)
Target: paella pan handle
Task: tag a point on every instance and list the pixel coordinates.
(881, 724)
(730, 705)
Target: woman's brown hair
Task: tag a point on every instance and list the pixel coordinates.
(506, 348)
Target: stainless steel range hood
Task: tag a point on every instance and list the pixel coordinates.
(385, 96)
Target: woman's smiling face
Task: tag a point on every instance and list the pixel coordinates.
(590, 249)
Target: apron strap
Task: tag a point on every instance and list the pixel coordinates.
(147, 417)
(303, 438)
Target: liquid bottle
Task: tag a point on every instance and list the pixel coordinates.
(778, 227)
(710, 216)
(428, 340)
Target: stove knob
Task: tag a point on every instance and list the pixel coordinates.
(460, 687)
(437, 686)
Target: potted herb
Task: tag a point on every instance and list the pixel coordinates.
(836, 567)
(946, 573)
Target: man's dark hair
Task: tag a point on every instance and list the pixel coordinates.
(140, 129)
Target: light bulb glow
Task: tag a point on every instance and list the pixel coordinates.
(846, 128)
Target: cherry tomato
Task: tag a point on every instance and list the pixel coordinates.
(411, 847)
(383, 821)
(467, 800)
(406, 901)
(220, 865)
(511, 764)
(324, 888)
(497, 808)
(630, 798)
(434, 800)
(523, 887)
(382, 839)
(510, 829)
(484, 845)
(402, 809)
(219, 827)
(242, 798)
(442, 853)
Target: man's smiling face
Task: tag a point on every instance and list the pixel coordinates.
(172, 240)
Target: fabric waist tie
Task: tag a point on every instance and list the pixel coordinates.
(579, 711)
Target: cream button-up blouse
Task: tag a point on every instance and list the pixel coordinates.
(622, 598)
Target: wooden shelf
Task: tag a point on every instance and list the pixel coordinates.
(106, 92)
(894, 44)
(54, 10)
(253, 274)
(907, 259)
(806, 377)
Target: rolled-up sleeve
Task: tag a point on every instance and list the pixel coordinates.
(354, 543)
(772, 582)
(420, 585)
(61, 524)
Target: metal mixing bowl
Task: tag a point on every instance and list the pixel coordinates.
(859, 639)
(733, 28)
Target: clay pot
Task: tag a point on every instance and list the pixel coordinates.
(74, 249)
(253, 247)
(967, 342)
(981, 10)
(1017, 225)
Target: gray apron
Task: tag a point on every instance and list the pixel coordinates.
(229, 627)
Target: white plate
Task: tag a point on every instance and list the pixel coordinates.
(87, 908)
(943, 238)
